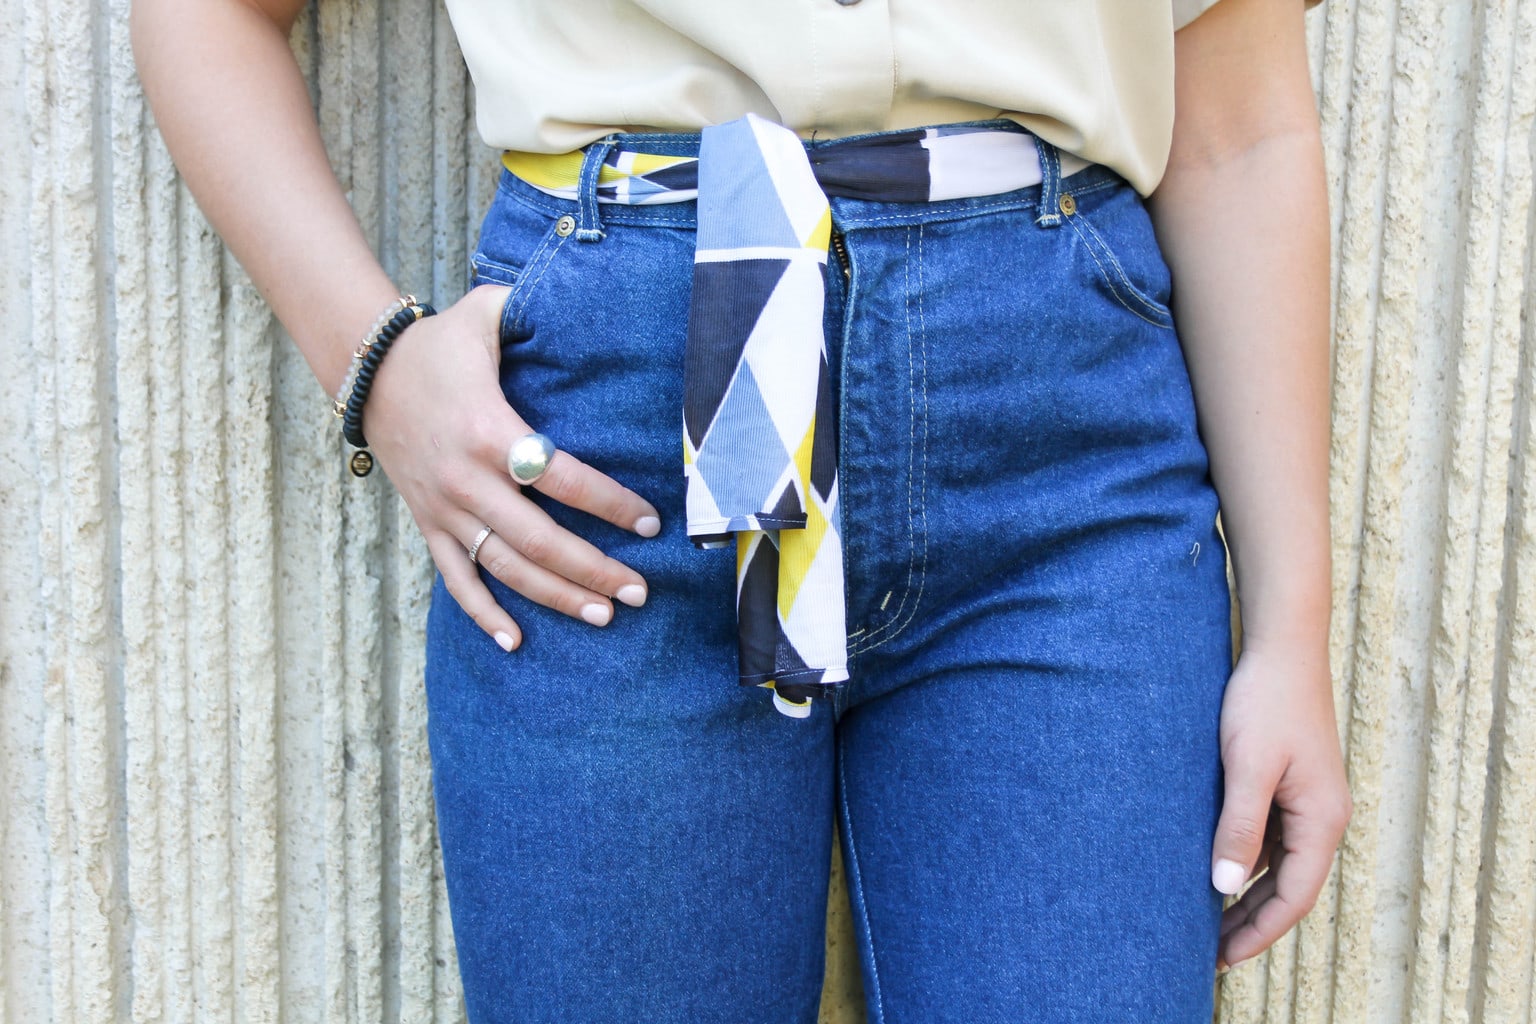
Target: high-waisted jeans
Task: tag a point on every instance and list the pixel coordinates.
(1023, 770)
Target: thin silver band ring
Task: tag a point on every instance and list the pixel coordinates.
(474, 549)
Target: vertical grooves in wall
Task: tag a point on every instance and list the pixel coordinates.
(24, 840)
(61, 1002)
(1508, 907)
(1504, 944)
(1510, 333)
(365, 571)
(1378, 679)
(253, 611)
(1356, 361)
(1475, 495)
(87, 812)
(208, 542)
(143, 756)
(414, 141)
(171, 785)
(332, 37)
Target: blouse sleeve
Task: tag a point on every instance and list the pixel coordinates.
(1186, 11)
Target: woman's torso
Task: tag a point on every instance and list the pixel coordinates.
(1094, 77)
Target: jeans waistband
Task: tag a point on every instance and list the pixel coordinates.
(637, 176)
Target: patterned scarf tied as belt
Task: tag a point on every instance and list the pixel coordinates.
(759, 430)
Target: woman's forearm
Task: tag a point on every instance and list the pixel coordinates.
(1242, 217)
(1247, 241)
(231, 103)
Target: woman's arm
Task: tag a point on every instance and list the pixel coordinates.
(232, 105)
(1243, 220)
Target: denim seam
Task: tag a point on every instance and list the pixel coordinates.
(477, 276)
(1154, 310)
(512, 308)
(868, 640)
(1048, 212)
(854, 221)
(589, 218)
(874, 639)
(1110, 280)
(875, 1001)
(617, 213)
(523, 297)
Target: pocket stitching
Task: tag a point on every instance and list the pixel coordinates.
(862, 642)
(1155, 314)
(509, 275)
(517, 300)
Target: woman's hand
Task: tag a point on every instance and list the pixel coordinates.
(439, 425)
(1287, 802)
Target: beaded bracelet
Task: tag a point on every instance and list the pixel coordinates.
(339, 403)
(361, 461)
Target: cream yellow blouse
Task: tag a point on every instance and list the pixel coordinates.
(1095, 77)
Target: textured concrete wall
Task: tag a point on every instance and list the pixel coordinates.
(215, 796)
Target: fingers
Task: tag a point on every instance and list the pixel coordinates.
(1249, 794)
(1284, 895)
(528, 531)
(466, 587)
(537, 583)
(572, 482)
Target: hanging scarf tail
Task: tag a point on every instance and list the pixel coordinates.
(759, 431)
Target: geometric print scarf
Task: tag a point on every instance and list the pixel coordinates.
(759, 431)
(759, 442)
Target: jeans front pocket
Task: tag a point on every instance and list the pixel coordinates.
(517, 245)
(1116, 236)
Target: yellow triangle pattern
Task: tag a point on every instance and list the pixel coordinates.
(563, 170)
(645, 163)
(821, 234)
(797, 550)
(803, 458)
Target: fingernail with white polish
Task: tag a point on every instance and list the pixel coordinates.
(505, 642)
(647, 526)
(1228, 876)
(632, 594)
(597, 614)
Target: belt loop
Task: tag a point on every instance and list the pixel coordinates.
(589, 226)
(1049, 215)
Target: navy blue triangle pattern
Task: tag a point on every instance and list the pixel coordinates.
(723, 310)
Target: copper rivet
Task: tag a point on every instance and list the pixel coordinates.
(361, 463)
(565, 225)
(1068, 205)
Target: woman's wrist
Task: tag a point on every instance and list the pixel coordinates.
(1297, 620)
(329, 347)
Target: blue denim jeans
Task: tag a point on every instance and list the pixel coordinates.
(1024, 769)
